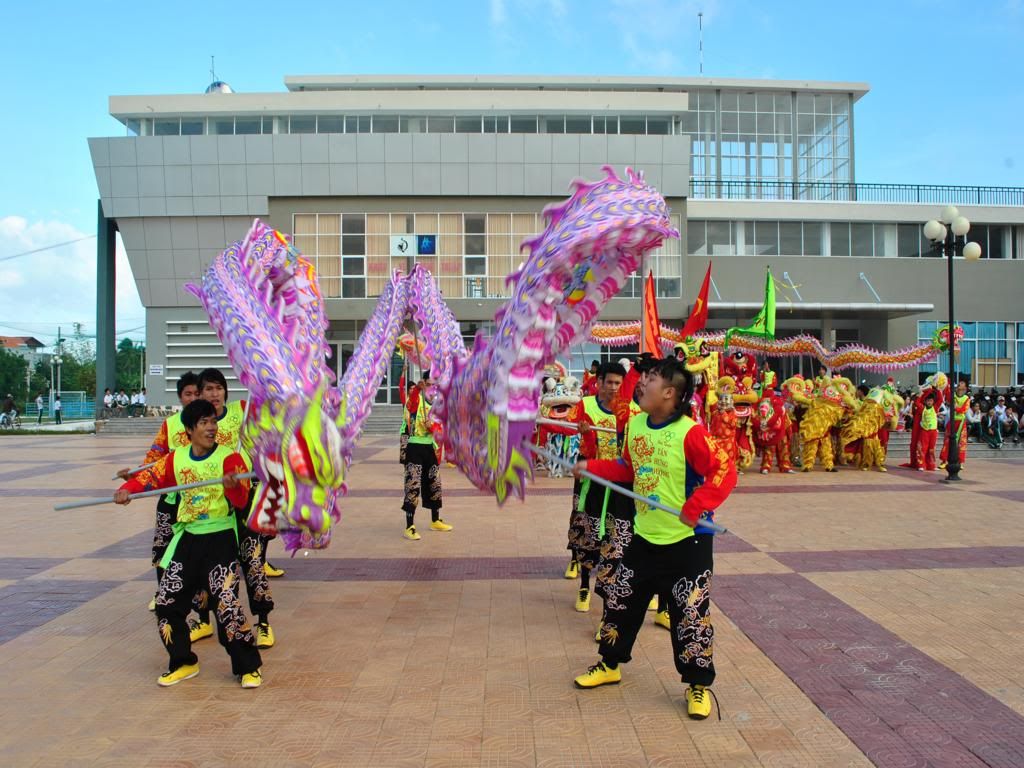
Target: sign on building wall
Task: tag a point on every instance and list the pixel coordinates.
(403, 245)
(426, 245)
(156, 370)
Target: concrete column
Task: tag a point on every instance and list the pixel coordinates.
(827, 331)
(106, 345)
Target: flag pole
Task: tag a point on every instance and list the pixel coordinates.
(643, 301)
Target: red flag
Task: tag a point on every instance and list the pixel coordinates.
(651, 326)
(699, 314)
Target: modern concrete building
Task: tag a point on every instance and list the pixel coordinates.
(368, 173)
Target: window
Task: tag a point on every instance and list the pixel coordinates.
(356, 124)
(790, 238)
(840, 236)
(191, 127)
(468, 124)
(606, 124)
(475, 237)
(166, 127)
(496, 124)
(302, 124)
(134, 127)
(577, 124)
(659, 125)
(634, 124)
(385, 123)
(861, 240)
(437, 124)
(908, 240)
(553, 123)
(719, 239)
(696, 238)
(353, 234)
(523, 124)
(330, 124)
(247, 125)
(814, 232)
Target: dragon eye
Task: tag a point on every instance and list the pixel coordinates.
(299, 458)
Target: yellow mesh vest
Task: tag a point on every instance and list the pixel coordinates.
(659, 472)
(208, 502)
(229, 426)
(607, 442)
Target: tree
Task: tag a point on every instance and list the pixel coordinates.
(128, 364)
(12, 375)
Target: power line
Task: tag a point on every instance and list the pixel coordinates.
(46, 248)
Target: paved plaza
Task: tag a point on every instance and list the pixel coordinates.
(860, 619)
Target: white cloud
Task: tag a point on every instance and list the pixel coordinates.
(55, 287)
(659, 37)
(498, 13)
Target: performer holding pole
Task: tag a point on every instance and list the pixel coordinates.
(213, 387)
(668, 456)
(589, 504)
(956, 425)
(172, 435)
(422, 468)
(203, 552)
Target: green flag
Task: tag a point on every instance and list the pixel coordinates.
(764, 324)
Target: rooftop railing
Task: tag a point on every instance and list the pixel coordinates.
(825, 191)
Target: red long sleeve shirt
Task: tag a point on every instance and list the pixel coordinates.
(703, 455)
(163, 476)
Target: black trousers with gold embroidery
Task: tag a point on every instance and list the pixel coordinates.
(205, 562)
(422, 478)
(681, 572)
(252, 554)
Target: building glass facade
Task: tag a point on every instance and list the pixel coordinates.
(991, 353)
(475, 252)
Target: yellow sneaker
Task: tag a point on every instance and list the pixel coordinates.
(197, 630)
(152, 604)
(272, 570)
(583, 601)
(411, 535)
(653, 605)
(597, 637)
(264, 636)
(572, 571)
(599, 674)
(440, 525)
(662, 620)
(183, 672)
(252, 679)
(698, 702)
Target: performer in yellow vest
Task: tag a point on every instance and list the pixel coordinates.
(252, 547)
(422, 469)
(203, 553)
(672, 459)
(172, 435)
(589, 505)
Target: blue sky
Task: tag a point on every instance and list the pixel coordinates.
(945, 105)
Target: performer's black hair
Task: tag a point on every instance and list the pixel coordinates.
(188, 379)
(616, 369)
(211, 376)
(681, 380)
(196, 410)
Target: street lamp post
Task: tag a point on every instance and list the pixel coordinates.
(945, 233)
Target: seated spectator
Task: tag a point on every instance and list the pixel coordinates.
(1000, 407)
(121, 403)
(108, 403)
(1010, 425)
(991, 432)
(974, 417)
(141, 403)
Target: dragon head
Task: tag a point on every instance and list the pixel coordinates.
(299, 463)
